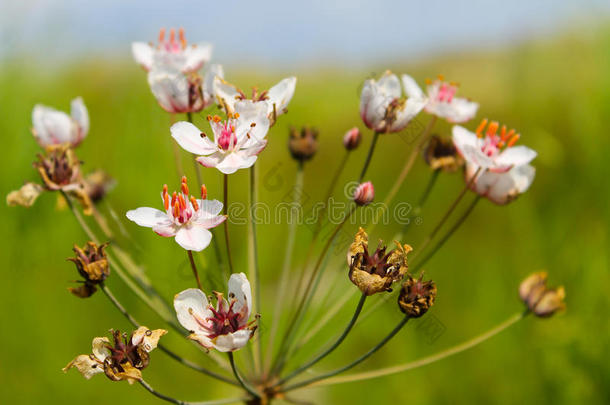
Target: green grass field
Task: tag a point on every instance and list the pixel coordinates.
(555, 92)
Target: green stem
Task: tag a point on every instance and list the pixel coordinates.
(359, 360)
(469, 344)
(444, 239)
(369, 156)
(254, 269)
(170, 353)
(244, 385)
(194, 267)
(179, 402)
(226, 222)
(336, 344)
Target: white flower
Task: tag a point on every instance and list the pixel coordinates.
(53, 127)
(185, 218)
(504, 169)
(382, 107)
(177, 92)
(237, 141)
(224, 328)
(275, 99)
(442, 101)
(185, 58)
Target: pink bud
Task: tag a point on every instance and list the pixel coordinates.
(364, 194)
(352, 138)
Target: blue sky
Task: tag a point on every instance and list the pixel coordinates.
(283, 33)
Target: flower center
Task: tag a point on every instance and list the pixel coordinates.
(180, 206)
(227, 140)
(224, 319)
(171, 45)
(378, 262)
(494, 143)
(445, 90)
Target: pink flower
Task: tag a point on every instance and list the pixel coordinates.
(505, 172)
(224, 328)
(364, 194)
(442, 101)
(275, 99)
(185, 58)
(53, 127)
(237, 141)
(185, 218)
(382, 106)
(352, 138)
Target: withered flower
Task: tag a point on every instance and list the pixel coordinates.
(540, 299)
(374, 273)
(26, 196)
(416, 296)
(304, 144)
(97, 184)
(122, 361)
(92, 264)
(441, 154)
(59, 169)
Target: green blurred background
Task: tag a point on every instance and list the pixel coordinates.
(556, 92)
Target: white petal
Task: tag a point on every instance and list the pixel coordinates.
(143, 54)
(193, 237)
(411, 87)
(212, 160)
(280, 95)
(208, 83)
(52, 127)
(252, 113)
(191, 302)
(239, 288)
(170, 88)
(148, 217)
(461, 110)
(196, 56)
(226, 94)
(389, 85)
(99, 348)
(511, 184)
(412, 107)
(516, 156)
(235, 161)
(210, 208)
(468, 145)
(166, 230)
(232, 341)
(80, 115)
(189, 138)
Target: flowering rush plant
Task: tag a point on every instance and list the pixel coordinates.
(222, 317)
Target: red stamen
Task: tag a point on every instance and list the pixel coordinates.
(166, 201)
(492, 128)
(513, 140)
(194, 203)
(174, 197)
(182, 202)
(481, 127)
(204, 192)
(184, 186)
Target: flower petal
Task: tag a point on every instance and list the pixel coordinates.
(253, 120)
(389, 85)
(148, 217)
(516, 156)
(511, 184)
(234, 161)
(170, 87)
(147, 338)
(412, 107)
(87, 366)
(143, 54)
(467, 144)
(226, 94)
(280, 95)
(193, 237)
(52, 127)
(80, 115)
(239, 288)
(190, 138)
(208, 83)
(196, 56)
(100, 351)
(188, 304)
(232, 341)
(411, 87)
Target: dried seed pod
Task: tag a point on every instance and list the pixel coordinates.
(416, 296)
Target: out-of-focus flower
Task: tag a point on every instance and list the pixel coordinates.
(442, 101)
(224, 328)
(122, 361)
(441, 154)
(53, 127)
(303, 144)
(416, 296)
(275, 99)
(364, 193)
(185, 217)
(237, 141)
(505, 172)
(59, 170)
(382, 106)
(375, 273)
(97, 184)
(92, 264)
(179, 92)
(352, 138)
(26, 196)
(176, 52)
(540, 299)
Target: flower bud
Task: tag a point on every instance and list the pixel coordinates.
(364, 194)
(440, 153)
(304, 144)
(416, 296)
(540, 299)
(352, 138)
(92, 264)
